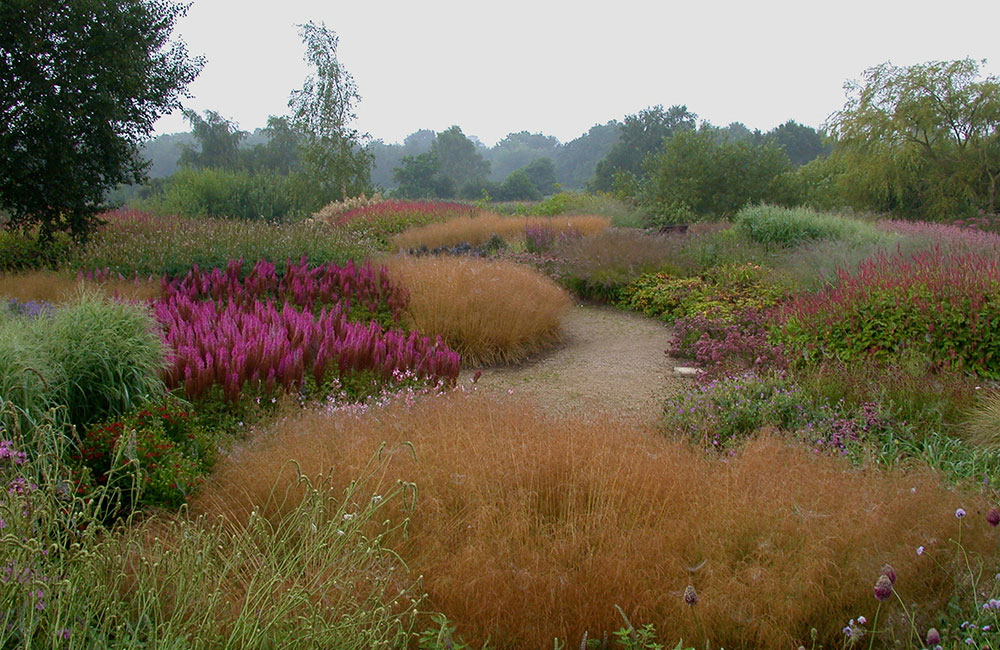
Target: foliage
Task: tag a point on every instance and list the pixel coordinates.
(22, 251)
(30, 383)
(942, 305)
(459, 161)
(542, 173)
(520, 150)
(138, 242)
(723, 292)
(420, 176)
(218, 142)
(333, 157)
(489, 311)
(802, 144)
(727, 345)
(777, 539)
(783, 227)
(518, 187)
(164, 457)
(699, 173)
(578, 158)
(83, 82)
(922, 140)
(600, 266)
(641, 135)
(217, 192)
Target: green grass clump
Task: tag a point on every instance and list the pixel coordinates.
(782, 227)
(621, 214)
(30, 384)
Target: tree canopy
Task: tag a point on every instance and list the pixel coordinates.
(923, 140)
(81, 84)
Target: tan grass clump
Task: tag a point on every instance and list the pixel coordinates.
(982, 425)
(487, 311)
(527, 527)
(59, 287)
(477, 230)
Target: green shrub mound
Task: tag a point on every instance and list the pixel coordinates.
(783, 227)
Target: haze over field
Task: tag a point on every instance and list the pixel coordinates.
(560, 67)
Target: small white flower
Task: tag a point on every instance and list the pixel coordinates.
(862, 620)
(920, 550)
(348, 516)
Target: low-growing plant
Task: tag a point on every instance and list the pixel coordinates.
(726, 346)
(600, 266)
(981, 421)
(621, 213)
(62, 286)
(164, 457)
(488, 311)
(382, 219)
(136, 242)
(722, 292)
(782, 227)
(933, 303)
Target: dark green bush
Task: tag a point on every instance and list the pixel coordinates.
(21, 251)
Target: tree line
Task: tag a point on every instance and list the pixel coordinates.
(83, 81)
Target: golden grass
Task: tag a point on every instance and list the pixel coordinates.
(982, 424)
(59, 287)
(528, 527)
(488, 311)
(478, 229)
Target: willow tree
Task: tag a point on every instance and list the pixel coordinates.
(923, 140)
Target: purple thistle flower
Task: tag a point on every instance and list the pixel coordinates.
(960, 513)
(933, 637)
(690, 595)
(883, 588)
(993, 517)
(889, 572)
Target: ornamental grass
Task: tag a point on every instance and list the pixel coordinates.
(477, 229)
(527, 527)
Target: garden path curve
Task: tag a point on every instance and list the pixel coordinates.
(609, 361)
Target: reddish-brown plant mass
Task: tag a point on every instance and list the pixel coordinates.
(527, 528)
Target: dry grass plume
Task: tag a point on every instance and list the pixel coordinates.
(488, 311)
(59, 287)
(528, 527)
(477, 230)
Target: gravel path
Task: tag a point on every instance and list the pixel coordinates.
(610, 361)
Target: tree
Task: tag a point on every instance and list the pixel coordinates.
(923, 140)
(459, 160)
(641, 135)
(419, 177)
(802, 143)
(517, 150)
(577, 159)
(333, 154)
(701, 173)
(518, 187)
(81, 84)
(218, 141)
(280, 153)
(542, 173)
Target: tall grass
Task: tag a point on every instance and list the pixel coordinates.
(528, 528)
(62, 286)
(319, 578)
(776, 226)
(487, 311)
(137, 242)
(477, 230)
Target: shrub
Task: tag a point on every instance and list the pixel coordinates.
(777, 226)
(22, 251)
(723, 292)
(601, 265)
(214, 192)
(108, 354)
(725, 346)
(560, 519)
(488, 311)
(137, 242)
(942, 305)
(477, 230)
(162, 457)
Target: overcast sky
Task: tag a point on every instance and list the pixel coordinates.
(560, 67)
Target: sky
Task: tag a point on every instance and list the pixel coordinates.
(559, 67)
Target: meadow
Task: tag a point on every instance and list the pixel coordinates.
(228, 433)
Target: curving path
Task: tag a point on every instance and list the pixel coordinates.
(610, 361)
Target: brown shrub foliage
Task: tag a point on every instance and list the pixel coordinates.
(478, 229)
(56, 287)
(488, 311)
(528, 528)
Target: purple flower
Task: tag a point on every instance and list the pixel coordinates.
(920, 550)
(993, 517)
(883, 588)
(889, 572)
(690, 595)
(960, 513)
(933, 637)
